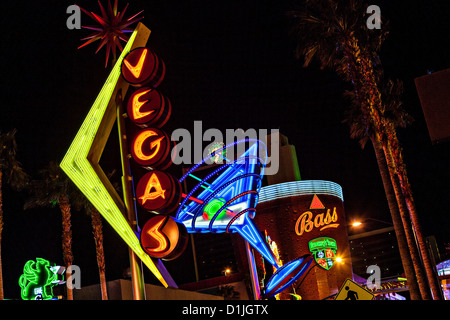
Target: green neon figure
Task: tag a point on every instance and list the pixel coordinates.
(36, 282)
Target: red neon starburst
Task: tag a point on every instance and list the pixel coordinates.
(111, 28)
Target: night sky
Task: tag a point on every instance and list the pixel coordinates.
(232, 65)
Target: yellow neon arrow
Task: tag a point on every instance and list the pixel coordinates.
(81, 162)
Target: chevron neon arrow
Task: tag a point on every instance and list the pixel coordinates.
(81, 162)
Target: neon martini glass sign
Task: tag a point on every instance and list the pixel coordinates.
(236, 188)
(235, 191)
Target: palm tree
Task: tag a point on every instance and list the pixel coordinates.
(97, 229)
(11, 170)
(335, 33)
(82, 203)
(358, 130)
(228, 292)
(53, 189)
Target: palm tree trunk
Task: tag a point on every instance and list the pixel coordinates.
(363, 79)
(64, 206)
(98, 237)
(374, 110)
(1, 272)
(397, 222)
(406, 190)
(421, 279)
(1, 230)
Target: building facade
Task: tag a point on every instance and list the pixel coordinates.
(307, 217)
(376, 247)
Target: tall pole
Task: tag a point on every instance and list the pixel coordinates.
(253, 273)
(137, 276)
(194, 252)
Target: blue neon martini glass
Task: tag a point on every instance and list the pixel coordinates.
(225, 201)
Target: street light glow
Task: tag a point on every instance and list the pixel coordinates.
(356, 223)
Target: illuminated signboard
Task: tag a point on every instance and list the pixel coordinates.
(236, 183)
(38, 279)
(164, 238)
(296, 213)
(300, 188)
(210, 210)
(158, 191)
(151, 148)
(232, 187)
(273, 246)
(81, 162)
(230, 195)
(148, 107)
(324, 251)
(227, 204)
(307, 221)
(143, 67)
(286, 276)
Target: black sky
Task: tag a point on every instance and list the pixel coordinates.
(230, 64)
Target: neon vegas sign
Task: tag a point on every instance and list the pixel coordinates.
(81, 162)
(157, 191)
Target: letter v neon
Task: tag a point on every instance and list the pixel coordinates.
(137, 69)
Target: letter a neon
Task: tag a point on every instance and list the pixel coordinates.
(153, 183)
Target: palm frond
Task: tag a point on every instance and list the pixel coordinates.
(14, 173)
(332, 22)
(47, 191)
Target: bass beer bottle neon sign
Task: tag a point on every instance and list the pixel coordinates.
(321, 221)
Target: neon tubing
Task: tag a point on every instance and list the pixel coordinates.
(81, 162)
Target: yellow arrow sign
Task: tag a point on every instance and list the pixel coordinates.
(81, 162)
(352, 291)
